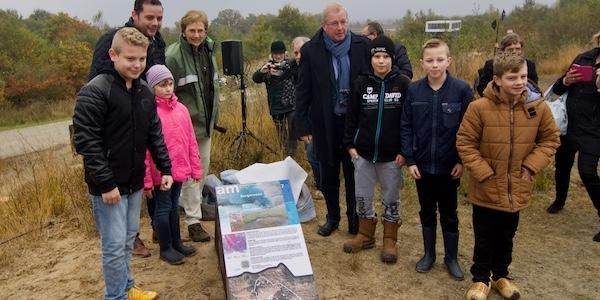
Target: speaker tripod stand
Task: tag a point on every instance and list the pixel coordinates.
(239, 142)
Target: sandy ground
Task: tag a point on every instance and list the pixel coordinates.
(554, 258)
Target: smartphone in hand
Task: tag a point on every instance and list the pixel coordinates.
(585, 71)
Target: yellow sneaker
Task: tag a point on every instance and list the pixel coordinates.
(478, 291)
(135, 293)
(506, 288)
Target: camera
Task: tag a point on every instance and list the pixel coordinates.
(282, 65)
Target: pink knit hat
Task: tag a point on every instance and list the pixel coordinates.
(156, 74)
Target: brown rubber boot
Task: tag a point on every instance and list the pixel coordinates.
(364, 239)
(389, 254)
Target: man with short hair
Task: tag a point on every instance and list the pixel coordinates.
(329, 63)
(402, 62)
(146, 17)
(511, 43)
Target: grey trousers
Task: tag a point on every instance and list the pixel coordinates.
(366, 175)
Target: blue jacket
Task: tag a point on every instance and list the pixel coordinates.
(430, 120)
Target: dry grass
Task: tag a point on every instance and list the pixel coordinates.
(559, 64)
(34, 113)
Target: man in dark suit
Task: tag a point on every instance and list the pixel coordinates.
(330, 62)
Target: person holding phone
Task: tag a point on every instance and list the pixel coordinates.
(583, 131)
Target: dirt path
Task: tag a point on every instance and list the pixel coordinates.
(554, 258)
(34, 138)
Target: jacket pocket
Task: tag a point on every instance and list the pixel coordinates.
(451, 114)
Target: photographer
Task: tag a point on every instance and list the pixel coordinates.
(277, 76)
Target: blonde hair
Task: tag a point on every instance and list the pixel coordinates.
(507, 62)
(333, 7)
(596, 39)
(434, 43)
(130, 36)
(193, 16)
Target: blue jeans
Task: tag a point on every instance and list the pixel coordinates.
(167, 210)
(117, 225)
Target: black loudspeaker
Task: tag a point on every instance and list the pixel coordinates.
(233, 62)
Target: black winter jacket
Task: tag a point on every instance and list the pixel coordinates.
(373, 116)
(486, 74)
(113, 128)
(101, 62)
(583, 107)
(402, 61)
(430, 120)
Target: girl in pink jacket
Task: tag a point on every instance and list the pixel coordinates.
(183, 151)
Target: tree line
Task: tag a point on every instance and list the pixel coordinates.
(47, 56)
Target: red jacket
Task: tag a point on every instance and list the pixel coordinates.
(181, 144)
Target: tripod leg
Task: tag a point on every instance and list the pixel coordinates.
(259, 141)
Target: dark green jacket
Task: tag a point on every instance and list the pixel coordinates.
(280, 90)
(184, 62)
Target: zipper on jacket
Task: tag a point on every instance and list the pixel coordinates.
(207, 123)
(133, 128)
(510, 153)
(379, 117)
(434, 111)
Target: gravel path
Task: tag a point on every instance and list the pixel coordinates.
(31, 139)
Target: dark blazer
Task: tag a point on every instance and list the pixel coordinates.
(402, 61)
(486, 74)
(315, 88)
(583, 107)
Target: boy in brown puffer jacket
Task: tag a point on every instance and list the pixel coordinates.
(505, 138)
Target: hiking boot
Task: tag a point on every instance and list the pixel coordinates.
(135, 293)
(451, 257)
(365, 237)
(389, 254)
(197, 233)
(506, 288)
(208, 211)
(555, 207)
(139, 249)
(478, 291)
(426, 262)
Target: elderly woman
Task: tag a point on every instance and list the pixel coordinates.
(583, 131)
(192, 62)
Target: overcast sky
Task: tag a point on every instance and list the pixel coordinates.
(116, 12)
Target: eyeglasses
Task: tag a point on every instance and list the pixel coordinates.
(343, 23)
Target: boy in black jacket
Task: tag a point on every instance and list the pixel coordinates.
(115, 121)
(434, 108)
(372, 137)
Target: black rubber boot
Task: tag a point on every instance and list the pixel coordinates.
(176, 235)
(451, 257)
(425, 264)
(167, 253)
(556, 206)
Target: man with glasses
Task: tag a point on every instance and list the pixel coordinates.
(330, 62)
